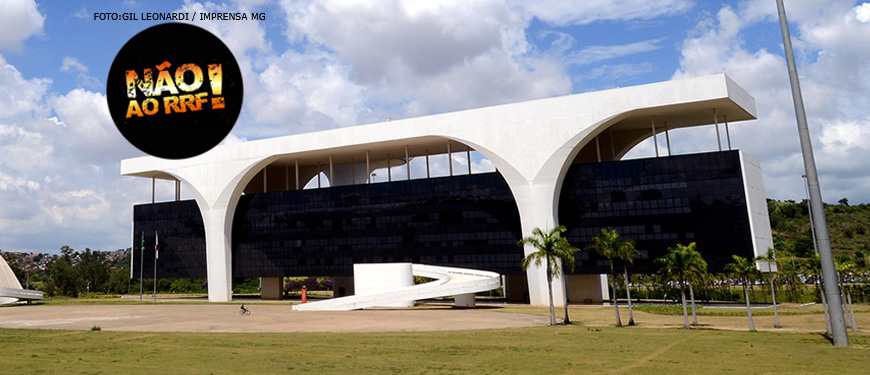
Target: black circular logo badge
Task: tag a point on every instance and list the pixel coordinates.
(174, 90)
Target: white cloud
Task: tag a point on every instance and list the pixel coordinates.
(89, 133)
(233, 139)
(862, 12)
(19, 96)
(575, 12)
(835, 79)
(71, 64)
(413, 58)
(240, 37)
(593, 54)
(19, 20)
(58, 174)
(305, 92)
(842, 137)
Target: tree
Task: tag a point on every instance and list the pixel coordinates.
(677, 265)
(62, 276)
(743, 269)
(813, 267)
(697, 272)
(551, 248)
(845, 266)
(93, 268)
(770, 258)
(609, 245)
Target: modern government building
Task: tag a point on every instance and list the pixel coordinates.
(557, 161)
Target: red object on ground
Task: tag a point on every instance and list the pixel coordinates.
(304, 295)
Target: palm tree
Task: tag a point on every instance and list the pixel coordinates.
(845, 266)
(770, 258)
(813, 267)
(744, 269)
(677, 265)
(609, 245)
(697, 272)
(551, 248)
(627, 257)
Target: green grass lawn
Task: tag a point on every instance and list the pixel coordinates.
(538, 350)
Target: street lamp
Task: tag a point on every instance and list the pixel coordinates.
(838, 323)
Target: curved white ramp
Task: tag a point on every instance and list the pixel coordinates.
(450, 281)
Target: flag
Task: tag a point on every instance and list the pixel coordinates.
(156, 241)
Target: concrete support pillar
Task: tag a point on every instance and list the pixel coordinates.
(468, 158)
(598, 149)
(449, 158)
(407, 163)
(464, 300)
(668, 138)
(716, 122)
(218, 256)
(342, 286)
(516, 288)
(272, 288)
(727, 132)
(537, 208)
(652, 122)
(350, 174)
(587, 289)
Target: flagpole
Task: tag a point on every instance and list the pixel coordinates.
(155, 265)
(141, 265)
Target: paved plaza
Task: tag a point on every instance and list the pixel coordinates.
(264, 318)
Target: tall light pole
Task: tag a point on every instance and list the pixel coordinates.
(835, 306)
(810, 212)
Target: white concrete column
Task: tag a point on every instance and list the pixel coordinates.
(464, 300)
(348, 174)
(272, 288)
(407, 163)
(468, 157)
(427, 165)
(668, 138)
(537, 210)
(716, 122)
(652, 122)
(449, 158)
(218, 253)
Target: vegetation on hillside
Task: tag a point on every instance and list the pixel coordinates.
(849, 227)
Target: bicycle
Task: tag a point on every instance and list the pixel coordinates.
(243, 311)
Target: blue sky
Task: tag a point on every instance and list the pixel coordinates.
(323, 64)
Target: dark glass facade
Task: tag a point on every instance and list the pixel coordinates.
(463, 221)
(658, 203)
(181, 236)
(467, 221)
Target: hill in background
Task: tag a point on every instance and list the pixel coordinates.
(849, 227)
